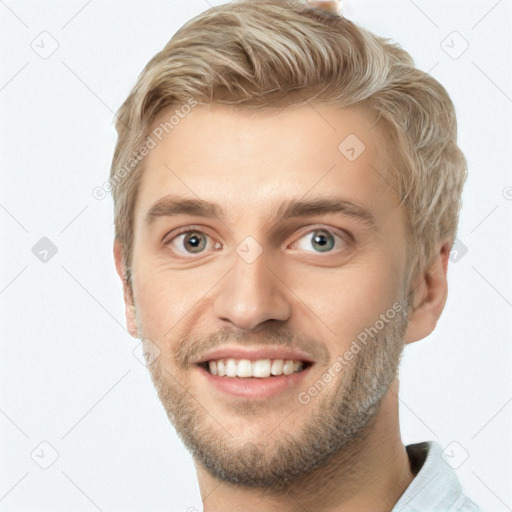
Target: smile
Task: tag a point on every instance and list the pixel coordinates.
(260, 368)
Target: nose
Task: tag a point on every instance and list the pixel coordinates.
(252, 294)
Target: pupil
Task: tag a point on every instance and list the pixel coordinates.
(321, 240)
(194, 240)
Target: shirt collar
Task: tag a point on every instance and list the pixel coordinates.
(435, 486)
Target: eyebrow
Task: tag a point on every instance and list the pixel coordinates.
(170, 205)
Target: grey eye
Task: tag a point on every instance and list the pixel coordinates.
(195, 241)
(321, 239)
(190, 242)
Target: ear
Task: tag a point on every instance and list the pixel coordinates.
(428, 295)
(129, 303)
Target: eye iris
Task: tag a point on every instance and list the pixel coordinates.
(321, 239)
(195, 240)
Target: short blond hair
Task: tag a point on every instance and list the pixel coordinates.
(253, 54)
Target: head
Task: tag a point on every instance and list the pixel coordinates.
(255, 106)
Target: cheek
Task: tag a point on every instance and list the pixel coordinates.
(346, 301)
(162, 301)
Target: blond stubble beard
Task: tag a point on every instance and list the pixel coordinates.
(338, 421)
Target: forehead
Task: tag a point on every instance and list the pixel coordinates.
(251, 161)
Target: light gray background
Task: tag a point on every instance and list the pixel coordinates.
(69, 377)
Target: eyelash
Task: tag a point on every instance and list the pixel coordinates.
(192, 229)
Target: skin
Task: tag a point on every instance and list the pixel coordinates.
(248, 164)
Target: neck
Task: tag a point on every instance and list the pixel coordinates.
(369, 475)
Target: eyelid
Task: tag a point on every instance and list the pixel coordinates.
(340, 233)
(184, 229)
(345, 237)
(307, 229)
(171, 236)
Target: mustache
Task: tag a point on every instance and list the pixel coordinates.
(192, 346)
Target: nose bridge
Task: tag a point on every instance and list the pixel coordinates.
(251, 293)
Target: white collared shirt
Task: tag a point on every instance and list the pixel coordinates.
(436, 487)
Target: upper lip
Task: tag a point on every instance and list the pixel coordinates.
(237, 352)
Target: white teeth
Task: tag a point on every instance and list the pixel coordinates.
(244, 368)
(231, 368)
(261, 368)
(277, 367)
(288, 367)
(221, 368)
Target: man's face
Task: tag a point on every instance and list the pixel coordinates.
(251, 286)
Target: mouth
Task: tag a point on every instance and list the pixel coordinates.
(232, 368)
(254, 373)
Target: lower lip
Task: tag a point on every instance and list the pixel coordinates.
(253, 387)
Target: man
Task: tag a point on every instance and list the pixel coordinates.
(286, 189)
